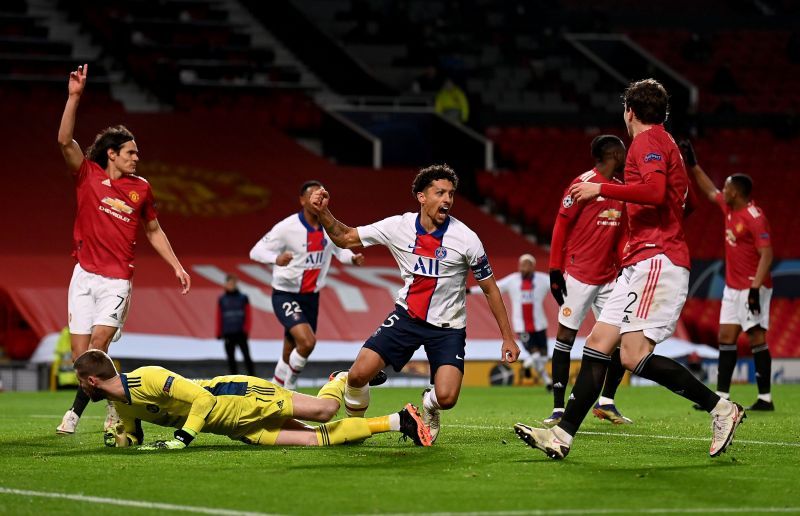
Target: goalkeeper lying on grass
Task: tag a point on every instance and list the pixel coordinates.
(243, 408)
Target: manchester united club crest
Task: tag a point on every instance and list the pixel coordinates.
(134, 196)
(566, 311)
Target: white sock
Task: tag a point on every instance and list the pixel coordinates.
(724, 395)
(429, 401)
(766, 397)
(562, 435)
(558, 409)
(723, 406)
(605, 401)
(281, 373)
(356, 400)
(394, 422)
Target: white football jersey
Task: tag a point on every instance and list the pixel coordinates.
(311, 254)
(527, 300)
(433, 265)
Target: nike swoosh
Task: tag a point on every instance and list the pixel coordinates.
(411, 246)
(460, 358)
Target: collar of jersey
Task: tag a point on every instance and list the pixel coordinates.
(124, 378)
(304, 222)
(437, 233)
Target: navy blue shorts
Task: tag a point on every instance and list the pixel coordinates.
(400, 336)
(293, 309)
(536, 341)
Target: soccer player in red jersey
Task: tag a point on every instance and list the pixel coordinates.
(112, 202)
(584, 263)
(644, 306)
(748, 284)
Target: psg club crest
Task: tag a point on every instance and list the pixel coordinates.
(324, 242)
(440, 253)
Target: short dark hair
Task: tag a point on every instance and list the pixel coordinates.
(649, 101)
(308, 184)
(231, 276)
(109, 138)
(97, 363)
(743, 183)
(428, 175)
(603, 144)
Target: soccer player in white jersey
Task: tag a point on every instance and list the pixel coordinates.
(300, 251)
(527, 290)
(434, 252)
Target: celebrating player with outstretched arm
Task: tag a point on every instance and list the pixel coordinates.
(112, 202)
(244, 408)
(647, 299)
(434, 252)
(748, 284)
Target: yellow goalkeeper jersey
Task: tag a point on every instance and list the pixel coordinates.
(224, 405)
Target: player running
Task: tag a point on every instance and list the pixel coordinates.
(112, 202)
(527, 290)
(647, 299)
(584, 263)
(434, 252)
(300, 251)
(244, 408)
(748, 283)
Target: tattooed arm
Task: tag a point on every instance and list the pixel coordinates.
(340, 234)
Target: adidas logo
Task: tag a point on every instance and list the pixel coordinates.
(626, 320)
(107, 182)
(558, 385)
(114, 316)
(571, 397)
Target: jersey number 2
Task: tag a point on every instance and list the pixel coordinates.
(635, 297)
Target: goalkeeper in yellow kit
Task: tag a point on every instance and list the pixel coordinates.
(243, 408)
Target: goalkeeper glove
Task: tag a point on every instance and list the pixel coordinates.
(181, 440)
(116, 436)
(558, 286)
(754, 301)
(689, 156)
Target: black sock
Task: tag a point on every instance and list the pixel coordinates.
(678, 379)
(587, 387)
(560, 372)
(81, 400)
(763, 361)
(727, 363)
(613, 376)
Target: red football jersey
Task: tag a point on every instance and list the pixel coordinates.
(657, 229)
(746, 230)
(593, 231)
(108, 218)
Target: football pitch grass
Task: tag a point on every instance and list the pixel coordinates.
(658, 465)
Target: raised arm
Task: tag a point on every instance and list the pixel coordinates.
(703, 181)
(73, 155)
(158, 239)
(342, 235)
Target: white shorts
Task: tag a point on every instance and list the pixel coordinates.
(648, 297)
(580, 297)
(734, 308)
(96, 300)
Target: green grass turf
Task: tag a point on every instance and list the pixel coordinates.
(477, 465)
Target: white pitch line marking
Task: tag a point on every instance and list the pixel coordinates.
(567, 512)
(129, 503)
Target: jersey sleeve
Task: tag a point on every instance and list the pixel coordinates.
(83, 171)
(270, 246)
(541, 286)
(504, 284)
(130, 423)
(759, 227)
(149, 211)
(161, 382)
(379, 232)
(344, 256)
(477, 259)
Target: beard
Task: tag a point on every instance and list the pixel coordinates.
(94, 394)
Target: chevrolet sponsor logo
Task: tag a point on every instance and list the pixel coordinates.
(117, 205)
(610, 213)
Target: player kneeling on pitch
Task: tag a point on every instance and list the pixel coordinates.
(244, 408)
